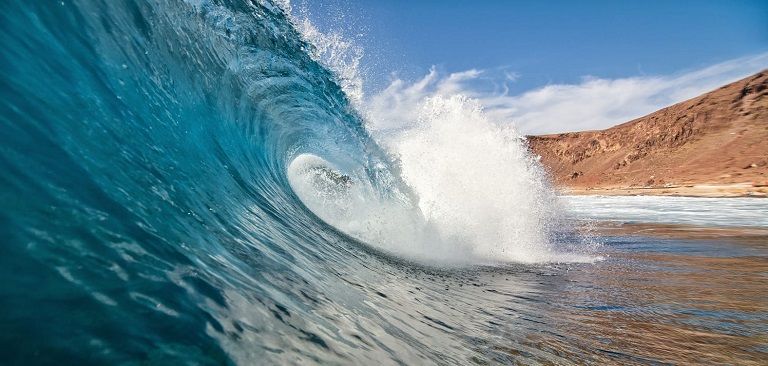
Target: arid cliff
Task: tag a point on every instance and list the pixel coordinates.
(712, 145)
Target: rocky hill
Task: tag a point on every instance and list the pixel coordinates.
(714, 144)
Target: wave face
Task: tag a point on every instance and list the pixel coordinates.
(182, 181)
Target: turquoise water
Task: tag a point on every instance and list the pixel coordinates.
(149, 215)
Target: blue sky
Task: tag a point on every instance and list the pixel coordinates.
(520, 47)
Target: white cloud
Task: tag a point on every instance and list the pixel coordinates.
(595, 103)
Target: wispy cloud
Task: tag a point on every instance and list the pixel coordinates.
(594, 103)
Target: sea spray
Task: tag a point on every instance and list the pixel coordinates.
(476, 181)
(471, 191)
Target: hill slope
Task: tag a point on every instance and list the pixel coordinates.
(714, 144)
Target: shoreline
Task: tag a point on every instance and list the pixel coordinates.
(680, 231)
(691, 190)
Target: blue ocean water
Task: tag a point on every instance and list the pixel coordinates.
(143, 161)
(148, 217)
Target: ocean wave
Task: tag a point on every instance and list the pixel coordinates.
(189, 174)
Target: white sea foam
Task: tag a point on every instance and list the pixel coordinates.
(745, 212)
(481, 197)
(476, 182)
(356, 208)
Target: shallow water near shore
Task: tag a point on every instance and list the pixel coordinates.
(696, 211)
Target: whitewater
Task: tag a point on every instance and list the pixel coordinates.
(203, 182)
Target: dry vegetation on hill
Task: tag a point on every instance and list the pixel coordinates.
(714, 144)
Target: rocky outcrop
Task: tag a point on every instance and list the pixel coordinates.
(717, 138)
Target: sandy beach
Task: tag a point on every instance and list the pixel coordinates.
(696, 190)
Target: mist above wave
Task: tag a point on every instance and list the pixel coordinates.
(473, 193)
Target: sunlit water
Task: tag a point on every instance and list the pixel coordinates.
(183, 182)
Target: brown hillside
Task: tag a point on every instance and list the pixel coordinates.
(718, 138)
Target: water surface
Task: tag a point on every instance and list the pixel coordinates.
(149, 215)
